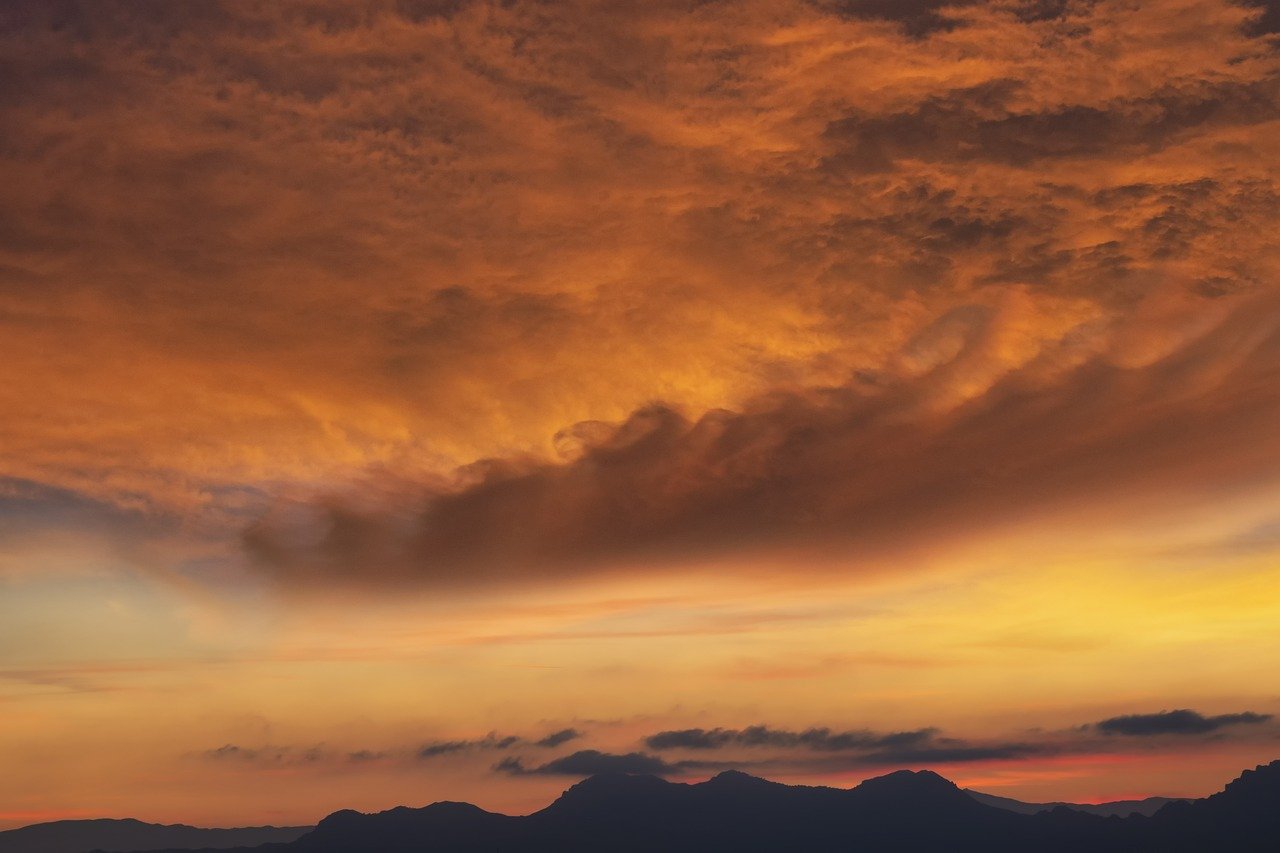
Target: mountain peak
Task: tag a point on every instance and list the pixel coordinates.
(921, 788)
(736, 778)
(1262, 782)
(910, 781)
(617, 781)
(611, 791)
(452, 808)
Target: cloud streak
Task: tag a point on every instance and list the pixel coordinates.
(694, 752)
(294, 755)
(447, 747)
(818, 739)
(496, 742)
(847, 749)
(1179, 722)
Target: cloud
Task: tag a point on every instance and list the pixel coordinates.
(821, 749)
(269, 755)
(917, 18)
(557, 738)
(494, 741)
(855, 748)
(497, 237)
(818, 739)
(983, 122)
(589, 762)
(817, 749)
(1177, 722)
(490, 741)
(301, 755)
(877, 470)
(1266, 20)
(944, 751)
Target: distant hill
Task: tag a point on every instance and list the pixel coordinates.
(82, 836)
(903, 811)
(1120, 808)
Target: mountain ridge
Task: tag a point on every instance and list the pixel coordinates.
(136, 836)
(1146, 806)
(902, 811)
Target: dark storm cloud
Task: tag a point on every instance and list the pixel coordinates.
(1177, 722)
(589, 762)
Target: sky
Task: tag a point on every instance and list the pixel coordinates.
(446, 399)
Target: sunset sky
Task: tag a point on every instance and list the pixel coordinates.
(436, 399)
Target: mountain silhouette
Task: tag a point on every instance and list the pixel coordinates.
(1119, 808)
(905, 811)
(81, 836)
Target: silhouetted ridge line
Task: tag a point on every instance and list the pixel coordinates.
(1118, 808)
(904, 811)
(113, 834)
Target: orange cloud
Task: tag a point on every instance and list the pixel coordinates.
(291, 244)
(892, 466)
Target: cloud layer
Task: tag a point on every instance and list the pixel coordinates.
(799, 270)
(698, 751)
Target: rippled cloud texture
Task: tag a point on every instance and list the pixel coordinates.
(295, 244)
